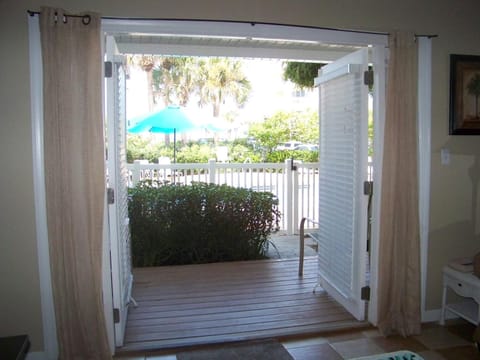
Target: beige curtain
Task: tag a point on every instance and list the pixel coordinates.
(75, 179)
(399, 247)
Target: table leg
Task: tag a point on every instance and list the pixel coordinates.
(444, 303)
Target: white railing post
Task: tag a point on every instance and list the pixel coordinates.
(295, 197)
(288, 196)
(136, 172)
(211, 170)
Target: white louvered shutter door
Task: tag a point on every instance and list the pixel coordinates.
(343, 169)
(118, 181)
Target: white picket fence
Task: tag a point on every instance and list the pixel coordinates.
(294, 183)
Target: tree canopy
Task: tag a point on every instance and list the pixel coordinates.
(219, 79)
(211, 81)
(301, 73)
(285, 126)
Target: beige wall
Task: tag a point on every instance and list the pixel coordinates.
(454, 231)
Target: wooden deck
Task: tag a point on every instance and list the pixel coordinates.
(190, 305)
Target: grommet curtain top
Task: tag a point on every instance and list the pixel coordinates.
(86, 19)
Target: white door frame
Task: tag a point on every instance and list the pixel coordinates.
(49, 327)
(379, 67)
(424, 165)
(220, 29)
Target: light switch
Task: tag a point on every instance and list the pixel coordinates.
(445, 156)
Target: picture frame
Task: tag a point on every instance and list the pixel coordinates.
(464, 114)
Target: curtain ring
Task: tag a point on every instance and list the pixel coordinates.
(86, 19)
(55, 17)
(64, 19)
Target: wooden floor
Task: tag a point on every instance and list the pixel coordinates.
(190, 305)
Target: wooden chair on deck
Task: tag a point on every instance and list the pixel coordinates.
(312, 234)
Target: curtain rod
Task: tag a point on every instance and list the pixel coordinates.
(252, 23)
(86, 19)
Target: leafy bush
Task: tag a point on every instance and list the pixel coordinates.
(199, 223)
(239, 153)
(285, 126)
(195, 154)
(142, 147)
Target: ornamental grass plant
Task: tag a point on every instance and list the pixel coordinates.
(175, 224)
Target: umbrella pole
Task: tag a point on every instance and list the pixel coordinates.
(174, 152)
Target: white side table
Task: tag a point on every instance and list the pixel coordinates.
(467, 286)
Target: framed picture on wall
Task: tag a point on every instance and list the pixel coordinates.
(464, 95)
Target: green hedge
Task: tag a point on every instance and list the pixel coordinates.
(199, 223)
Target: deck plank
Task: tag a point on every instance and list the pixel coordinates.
(193, 305)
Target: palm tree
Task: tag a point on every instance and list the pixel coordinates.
(473, 88)
(146, 63)
(187, 80)
(219, 79)
(174, 79)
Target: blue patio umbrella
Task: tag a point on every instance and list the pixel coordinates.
(169, 120)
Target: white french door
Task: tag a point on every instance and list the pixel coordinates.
(119, 232)
(342, 250)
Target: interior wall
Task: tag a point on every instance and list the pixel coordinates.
(20, 311)
(454, 219)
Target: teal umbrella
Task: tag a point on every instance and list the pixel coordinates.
(169, 120)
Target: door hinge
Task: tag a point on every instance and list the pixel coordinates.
(116, 315)
(368, 77)
(365, 293)
(110, 196)
(108, 69)
(367, 187)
